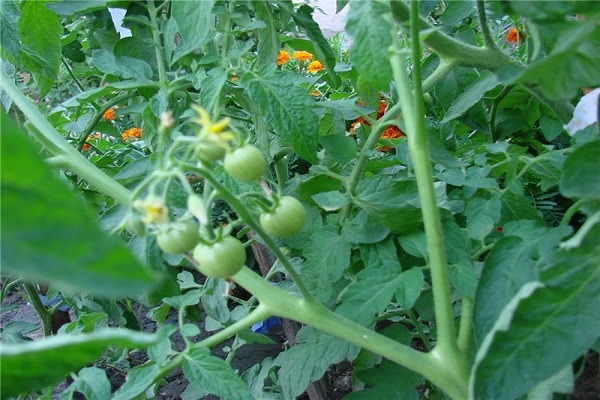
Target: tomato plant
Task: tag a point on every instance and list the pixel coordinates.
(221, 259)
(440, 216)
(287, 218)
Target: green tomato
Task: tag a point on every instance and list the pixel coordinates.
(286, 219)
(221, 259)
(179, 237)
(209, 151)
(245, 163)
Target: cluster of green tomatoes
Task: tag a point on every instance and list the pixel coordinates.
(216, 252)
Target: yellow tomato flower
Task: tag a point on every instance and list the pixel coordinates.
(314, 66)
(154, 209)
(302, 55)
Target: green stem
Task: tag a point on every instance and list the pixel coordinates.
(158, 47)
(571, 211)
(418, 326)
(281, 303)
(488, 40)
(494, 109)
(445, 66)
(77, 83)
(412, 107)
(465, 329)
(58, 146)
(42, 312)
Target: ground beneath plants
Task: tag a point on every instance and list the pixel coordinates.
(587, 386)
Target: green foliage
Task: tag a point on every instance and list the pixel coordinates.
(453, 233)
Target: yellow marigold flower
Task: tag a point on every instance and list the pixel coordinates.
(109, 114)
(283, 57)
(314, 66)
(131, 134)
(302, 55)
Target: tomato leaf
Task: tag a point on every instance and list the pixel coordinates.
(287, 107)
(212, 374)
(34, 365)
(39, 31)
(546, 330)
(580, 177)
(49, 235)
(369, 23)
(308, 360)
(194, 20)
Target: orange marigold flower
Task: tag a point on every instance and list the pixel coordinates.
(109, 115)
(314, 66)
(283, 57)
(302, 55)
(131, 134)
(86, 146)
(391, 132)
(512, 36)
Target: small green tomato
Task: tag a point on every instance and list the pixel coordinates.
(286, 219)
(221, 259)
(178, 237)
(245, 163)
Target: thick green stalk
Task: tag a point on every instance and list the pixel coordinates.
(58, 146)
(40, 309)
(283, 304)
(413, 113)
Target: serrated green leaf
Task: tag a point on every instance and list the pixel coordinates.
(464, 279)
(363, 229)
(214, 375)
(211, 87)
(509, 265)
(471, 95)
(339, 148)
(327, 256)
(70, 7)
(408, 289)
(9, 34)
(516, 207)
(507, 268)
(393, 203)
(561, 382)
(287, 107)
(194, 20)
(39, 31)
(136, 382)
(268, 42)
(548, 170)
(308, 360)
(331, 201)
(387, 381)
(371, 292)
(548, 329)
(370, 25)
(25, 365)
(482, 214)
(49, 235)
(91, 382)
(124, 67)
(580, 175)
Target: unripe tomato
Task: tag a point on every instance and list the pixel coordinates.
(209, 151)
(286, 219)
(245, 163)
(221, 259)
(179, 237)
